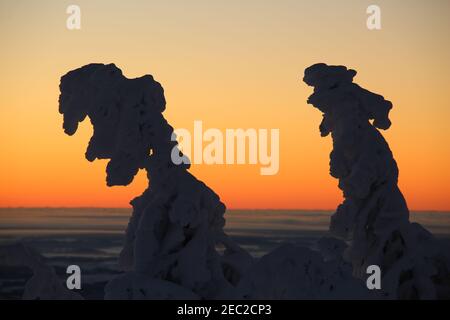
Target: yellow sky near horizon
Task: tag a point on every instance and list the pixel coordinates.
(231, 64)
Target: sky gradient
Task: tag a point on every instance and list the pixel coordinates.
(231, 64)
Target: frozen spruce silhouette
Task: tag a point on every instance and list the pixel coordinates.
(177, 223)
(170, 251)
(170, 248)
(374, 217)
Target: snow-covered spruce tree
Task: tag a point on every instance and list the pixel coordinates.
(170, 247)
(374, 217)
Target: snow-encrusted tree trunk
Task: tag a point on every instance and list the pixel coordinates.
(374, 217)
(170, 248)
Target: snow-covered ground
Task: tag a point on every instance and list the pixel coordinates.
(93, 238)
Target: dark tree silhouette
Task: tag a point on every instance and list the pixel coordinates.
(170, 248)
(374, 217)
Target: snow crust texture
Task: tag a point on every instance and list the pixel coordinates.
(177, 222)
(374, 217)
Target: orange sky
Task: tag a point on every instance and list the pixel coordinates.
(231, 64)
